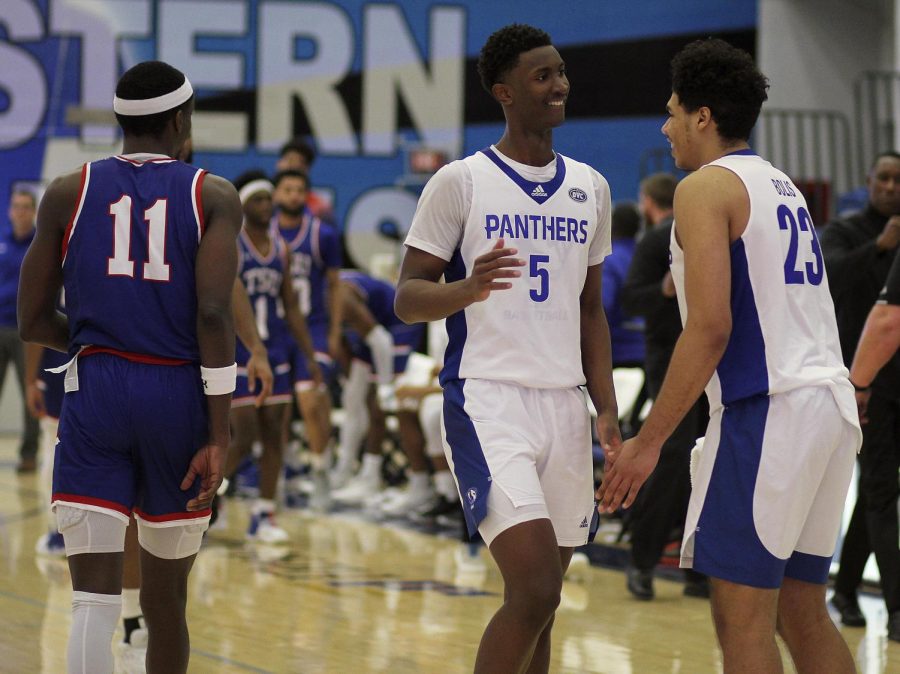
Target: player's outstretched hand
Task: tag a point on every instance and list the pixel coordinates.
(862, 405)
(34, 401)
(207, 465)
(258, 369)
(498, 263)
(610, 437)
(622, 481)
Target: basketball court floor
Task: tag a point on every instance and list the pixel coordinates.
(352, 596)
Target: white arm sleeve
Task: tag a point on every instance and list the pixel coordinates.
(601, 244)
(443, 209)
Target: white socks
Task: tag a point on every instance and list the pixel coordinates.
(94, 618)
(131, 602)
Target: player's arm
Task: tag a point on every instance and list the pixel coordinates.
(216, 269)
(41, 274)
(596, 358)
(421, 298)
(258, 367)
(704, 207)
(335, 309)
(34, 397)
(298, 326)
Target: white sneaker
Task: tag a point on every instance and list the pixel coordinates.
(263, 529)
(51, 544)
(387, 397)
(578, 567)
(320, 499)
(340, 477)
(132, 657)
(356, 491)
(408, 502)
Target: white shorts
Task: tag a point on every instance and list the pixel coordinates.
(770, 487)
(520, 454)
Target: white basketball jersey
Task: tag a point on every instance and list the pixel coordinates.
(529, 334)
(784, 332)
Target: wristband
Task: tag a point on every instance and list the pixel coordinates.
(218, 380)
(860, 389)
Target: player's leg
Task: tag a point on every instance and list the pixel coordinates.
(529, 562)
(270, 422)
(355, 422)
(744, 618)
(167, 555)
(244, 431)
(540, 659)
(131, 589)
(812, 638)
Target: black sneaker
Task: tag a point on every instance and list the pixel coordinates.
(442, 509)
(848, 607)
(893, 626)
(639, 583)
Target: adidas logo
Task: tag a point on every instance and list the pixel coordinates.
(584, 523)
(538, 192)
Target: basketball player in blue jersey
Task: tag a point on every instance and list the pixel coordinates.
(760, 334)
(315, 255)
(144, 246)
(520, 233)
(264, 271)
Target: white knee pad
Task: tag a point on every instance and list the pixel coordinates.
(430, 418)
(172, 541)
(94, 619)
(90, 531)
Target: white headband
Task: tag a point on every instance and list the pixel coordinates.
(253, 187)
(151, 106)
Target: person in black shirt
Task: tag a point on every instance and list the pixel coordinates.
(859, 250)
(649, 291)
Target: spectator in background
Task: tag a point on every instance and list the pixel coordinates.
(858, 251)
(626, 332)
(649, 292)
(14, 243)
(298, 155)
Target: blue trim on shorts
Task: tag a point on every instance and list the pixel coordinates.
(472, 473)
(808, 568)
(726, 544)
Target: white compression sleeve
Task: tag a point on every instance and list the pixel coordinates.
(381, 343)
(94, 619)
(356, 415)
(430, 419)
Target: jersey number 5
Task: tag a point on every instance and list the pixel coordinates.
(121, 264)
(543, 275)
(814, 271)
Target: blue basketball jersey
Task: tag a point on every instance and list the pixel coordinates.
(263, 275)
(377, 294)
(314, 248)
(129, 256)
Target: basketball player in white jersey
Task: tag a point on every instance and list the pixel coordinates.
(759, 327)
(519, 232)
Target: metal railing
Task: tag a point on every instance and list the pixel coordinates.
(875, 95)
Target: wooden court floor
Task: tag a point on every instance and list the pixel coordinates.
(352, 596)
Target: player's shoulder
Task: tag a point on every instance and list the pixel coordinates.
(456, 171)
(599, 183)
(65, 188)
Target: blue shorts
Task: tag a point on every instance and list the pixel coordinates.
(406, 339)
(127, 436)
(302, 377)
(769, 488)
(281, 387)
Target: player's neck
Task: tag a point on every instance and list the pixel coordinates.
(147, 145)
(259, 236)
(527, 147)
(723, 148)
(289, 221)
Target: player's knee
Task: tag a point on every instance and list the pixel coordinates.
(171, 542)
(537, 597)
(90, 531)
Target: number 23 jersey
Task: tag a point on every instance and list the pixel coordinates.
(558, 219)
(784, 332)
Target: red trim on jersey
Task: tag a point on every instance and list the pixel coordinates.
(172, 517)
(68, 233)
(90, 500)
(134, 357)
(152, 160)
(198, 197)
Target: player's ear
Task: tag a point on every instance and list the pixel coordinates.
(502, 92)
(704, 117)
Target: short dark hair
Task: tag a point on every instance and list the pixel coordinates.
(248, 177)
(887, 154)
(149, 80)
(660, 188)
(712, 73)
(626, 220)
(500, 53)
(301, 146)
(290, 173)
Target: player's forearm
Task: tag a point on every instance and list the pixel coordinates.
(694, 360)
(335, 308)
(300, 330)
(33, 353)
(596, 359)
(50, 331)
(420, 301)
(878, 343)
